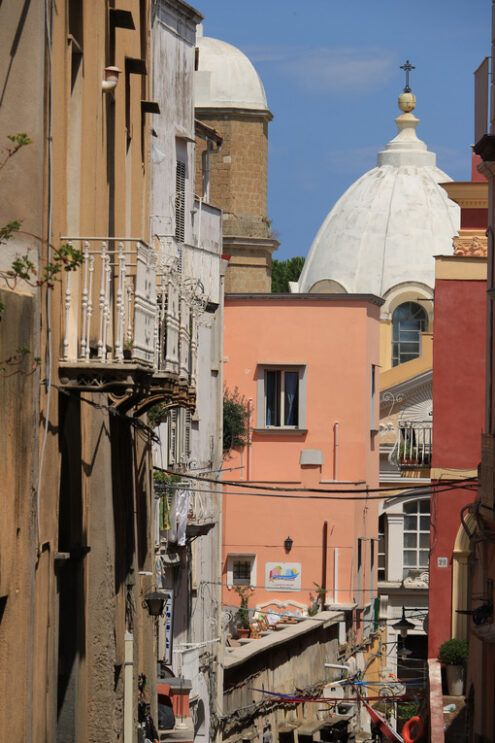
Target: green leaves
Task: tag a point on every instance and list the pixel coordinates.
(285, 271)
(7, 231)
(235, 417)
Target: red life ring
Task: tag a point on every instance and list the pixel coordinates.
(413, 730)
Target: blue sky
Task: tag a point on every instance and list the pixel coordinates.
(331, 74)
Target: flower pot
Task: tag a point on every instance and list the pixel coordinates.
(455, 680)
(243, 631)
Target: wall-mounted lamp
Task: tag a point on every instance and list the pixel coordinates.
(288, 544)
(155, 603)
(403, 625)
(111, 78)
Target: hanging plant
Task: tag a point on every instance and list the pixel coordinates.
(235, 419)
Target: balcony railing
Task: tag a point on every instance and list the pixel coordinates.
(122, 305)
(110, 302)
(413, 445)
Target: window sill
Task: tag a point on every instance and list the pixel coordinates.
(281, 431)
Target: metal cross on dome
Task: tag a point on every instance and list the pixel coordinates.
(407, 67)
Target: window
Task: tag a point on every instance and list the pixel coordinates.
(408, 322)
(241, 570)
(179, 436)
(381, 548)
(180, 200)
(416, 536)
(281, 397)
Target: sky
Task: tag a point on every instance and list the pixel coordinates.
(331, 72)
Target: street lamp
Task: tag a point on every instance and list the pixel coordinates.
(288, 544)
(403, 625)
(155, 602)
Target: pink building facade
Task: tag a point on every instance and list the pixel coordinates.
(307, 367)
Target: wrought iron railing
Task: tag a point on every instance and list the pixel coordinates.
(413, 445)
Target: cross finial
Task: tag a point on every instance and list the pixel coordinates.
(407, 67)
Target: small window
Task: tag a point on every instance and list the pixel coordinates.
(241, 570)
(409, 320)
(416, 536)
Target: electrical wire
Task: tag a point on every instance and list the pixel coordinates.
(288, 492)
(286, 489)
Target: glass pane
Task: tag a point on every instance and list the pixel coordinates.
(411, 523)
(424, 541)
(241, 571)
(423, 558)
(424, 506)
(272, 398)
(410, 540)
(424, 523)
(410, 507)
(291, 402)
(409, 557)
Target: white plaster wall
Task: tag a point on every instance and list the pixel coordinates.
(197, 580)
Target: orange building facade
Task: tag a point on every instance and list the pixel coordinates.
(307, 368)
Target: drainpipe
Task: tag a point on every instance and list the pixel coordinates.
(250, 435)
(128, 688)
(335, 450)
(324, 566)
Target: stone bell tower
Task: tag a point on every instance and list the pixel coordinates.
(230, 98)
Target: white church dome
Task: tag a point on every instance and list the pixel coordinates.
(226, 78)
(386, 228)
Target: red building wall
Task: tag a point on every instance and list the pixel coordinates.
(458, 419)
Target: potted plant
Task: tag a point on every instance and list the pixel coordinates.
(244, 592)
(453, 654)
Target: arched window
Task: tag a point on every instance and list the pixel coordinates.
(408, 322)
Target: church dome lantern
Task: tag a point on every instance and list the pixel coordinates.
(385, 230)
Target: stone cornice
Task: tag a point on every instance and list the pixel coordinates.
(218, 113)
(468, 194)
(371, 298)
(253, 243)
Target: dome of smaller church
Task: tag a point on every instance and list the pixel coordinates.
(226, 78)
(388, 226)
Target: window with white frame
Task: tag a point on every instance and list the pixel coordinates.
(416, 536)
(382, 571)
(281, 397)
(409, 320)
(241, 570)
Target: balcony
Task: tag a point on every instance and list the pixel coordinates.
(185, 514)
(128, 323)
(412, 449)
